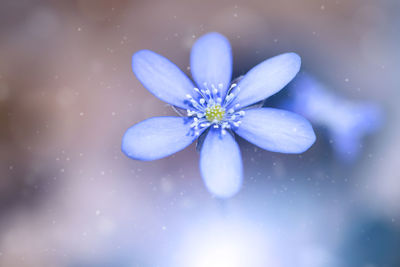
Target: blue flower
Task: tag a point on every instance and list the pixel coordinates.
(217, 108)
(346, 122)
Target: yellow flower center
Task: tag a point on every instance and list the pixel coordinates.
(215, 113)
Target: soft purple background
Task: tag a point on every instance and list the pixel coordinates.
(69, 197)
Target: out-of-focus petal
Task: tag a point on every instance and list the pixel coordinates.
(346, 147)
(162, 78)
(276, 130)
(157, 137)
(346, 121)
(221, 164)
(211, 62)
(267, 78)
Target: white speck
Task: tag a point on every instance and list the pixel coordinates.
(79, 29)
(164, 228)
(81, 114)
(113, 113)
(97, 212)
(11, 167)
(347, 80)
(322, 7)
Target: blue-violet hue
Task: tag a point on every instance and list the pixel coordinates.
(346, 121)
(217, 107)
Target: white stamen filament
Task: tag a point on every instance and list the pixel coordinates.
(208, 108)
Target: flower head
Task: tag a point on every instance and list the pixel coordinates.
(346, 121)
(217, 107)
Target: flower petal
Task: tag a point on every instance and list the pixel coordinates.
(221, 164)
(267, 78)
(347, 147)
(276, 130)
(211, 61)
(157, 137)
(162, 78)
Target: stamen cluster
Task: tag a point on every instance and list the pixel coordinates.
(208, 108)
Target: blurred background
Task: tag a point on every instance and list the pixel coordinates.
(70, 198)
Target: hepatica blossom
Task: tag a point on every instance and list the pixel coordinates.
(217, 108)
(346, 121)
